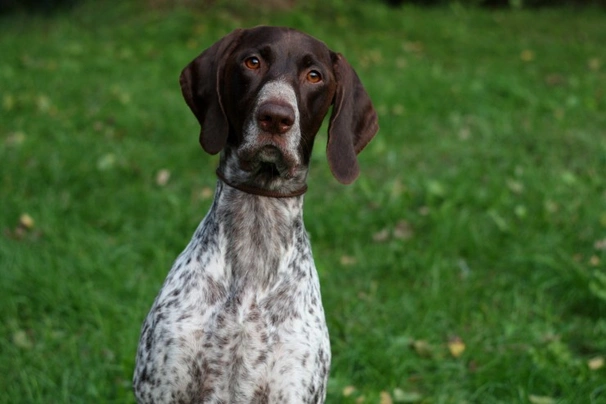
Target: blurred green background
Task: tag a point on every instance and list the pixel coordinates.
(466, 265)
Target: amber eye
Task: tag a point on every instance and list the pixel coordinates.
(314, 76)
(253, 63)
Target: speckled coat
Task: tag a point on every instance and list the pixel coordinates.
(239, 318)
(261, 336)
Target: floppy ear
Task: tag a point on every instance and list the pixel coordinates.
(353, 122)
(200, 82)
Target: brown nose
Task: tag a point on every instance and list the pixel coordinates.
(275, 118)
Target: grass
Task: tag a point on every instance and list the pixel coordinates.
(479, 217)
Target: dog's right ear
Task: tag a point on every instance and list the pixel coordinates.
(353, 122)
(200, 84)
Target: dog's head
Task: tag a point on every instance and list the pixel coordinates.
(261, 94)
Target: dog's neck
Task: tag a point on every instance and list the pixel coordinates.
(259, 233)
(258, 191)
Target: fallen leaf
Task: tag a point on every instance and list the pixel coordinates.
(594, 260)
(600, 244)
(541, 399)
(527, 55)
(162, 177)
(401, 396)
(385, 398)
(515, 186)
(43, 103)
(15, 139)
(422, 348)
(596, 363)
(347, 260)
(348, 391)
(381, 236)
(594, 64)
(424, 210)
(26, 221)
(106, 162)
(464, 133)
(456, 346)
(403, 230)
(206, 193)
(360, 399)
(397, 109)
(22, 340)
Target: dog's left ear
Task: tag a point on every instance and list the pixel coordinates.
(353, 122)
(200, 83)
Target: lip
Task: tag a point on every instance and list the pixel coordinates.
(268, 160)
(269, 154)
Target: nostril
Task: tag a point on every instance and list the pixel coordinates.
(275, 117)
(287, 121)
(265, 118)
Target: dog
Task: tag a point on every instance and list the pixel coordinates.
(239, 318)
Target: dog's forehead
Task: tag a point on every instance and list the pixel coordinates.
(286, 39)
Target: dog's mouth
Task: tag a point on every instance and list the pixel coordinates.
(268, 161)
(269, 155)
(269, 170)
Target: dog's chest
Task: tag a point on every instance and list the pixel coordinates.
(239, 312)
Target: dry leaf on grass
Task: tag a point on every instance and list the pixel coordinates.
(162, 177)
(381, 236)
(385, 398)
(401, 396)
(106, 162)
(594, 261)
(22, 340)
(456, 346)
(527, 55)
(422, 348)
(348, 391)
(596, 363)
(594, 64)
(15, 139)
(541, 399)
(403, 230)
(206, 193)
(347, 260)
(25, 228)
(26, 221)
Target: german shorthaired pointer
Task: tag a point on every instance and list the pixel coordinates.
(239, 318)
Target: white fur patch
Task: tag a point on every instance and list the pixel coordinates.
(282, 92)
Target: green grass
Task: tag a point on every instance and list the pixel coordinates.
(480, 213)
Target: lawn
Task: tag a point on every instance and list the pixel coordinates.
(466, 265)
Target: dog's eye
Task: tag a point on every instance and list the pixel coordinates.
(314, 76)
(253, 63)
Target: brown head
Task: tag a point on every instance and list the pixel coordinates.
(261, 94)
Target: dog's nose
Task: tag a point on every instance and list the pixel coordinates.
(275, 118)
